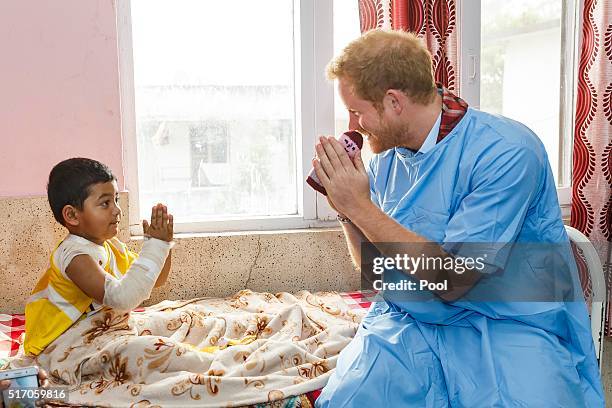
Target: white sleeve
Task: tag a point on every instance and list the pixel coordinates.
(136, 285)
(69, 249)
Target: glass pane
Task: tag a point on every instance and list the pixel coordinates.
(346, 29)
(521, 63)
(215, 107)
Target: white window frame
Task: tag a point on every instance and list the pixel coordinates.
(314, 109)
(469, 60)
(314, 115)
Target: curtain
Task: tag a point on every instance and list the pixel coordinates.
(434, 21)
(591, 211)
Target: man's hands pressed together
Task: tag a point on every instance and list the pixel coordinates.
(346, 181)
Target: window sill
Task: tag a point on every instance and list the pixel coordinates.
(285, 224)
(322, 226)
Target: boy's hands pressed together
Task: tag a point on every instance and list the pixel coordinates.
(162, 224)
(161, 227)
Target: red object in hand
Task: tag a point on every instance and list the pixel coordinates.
(352, 141)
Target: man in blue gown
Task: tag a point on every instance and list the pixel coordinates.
(447, 174)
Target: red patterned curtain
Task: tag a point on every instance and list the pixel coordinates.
(592, 158)
(435, 21)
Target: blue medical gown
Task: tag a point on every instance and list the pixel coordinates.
(487, 181)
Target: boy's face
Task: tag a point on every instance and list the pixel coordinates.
(99, 219)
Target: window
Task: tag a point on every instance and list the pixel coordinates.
(219, 112)
(518, 60)
(222, 101)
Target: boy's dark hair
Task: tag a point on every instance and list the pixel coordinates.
(70, 182)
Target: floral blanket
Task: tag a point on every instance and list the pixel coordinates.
(252, 348)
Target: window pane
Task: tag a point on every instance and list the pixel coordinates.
(521, 63)
(346, 29)
(215, 107)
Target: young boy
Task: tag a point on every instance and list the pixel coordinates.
(91, 268)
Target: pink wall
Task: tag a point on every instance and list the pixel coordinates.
(59, 89)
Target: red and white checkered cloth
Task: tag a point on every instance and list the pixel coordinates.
(12, 327)
(361, 299)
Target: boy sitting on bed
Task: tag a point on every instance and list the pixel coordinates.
(91, 268)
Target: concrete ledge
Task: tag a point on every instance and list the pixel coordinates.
(202, 264)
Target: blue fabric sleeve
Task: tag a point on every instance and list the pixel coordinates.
(370, 168)
(504, 184)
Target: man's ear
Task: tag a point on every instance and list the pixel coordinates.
(394, 100)
(71, 215)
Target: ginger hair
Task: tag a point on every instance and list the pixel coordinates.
(381, 60)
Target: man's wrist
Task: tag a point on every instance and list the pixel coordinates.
(359, 212)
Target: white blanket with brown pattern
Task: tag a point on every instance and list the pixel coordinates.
(155, 357)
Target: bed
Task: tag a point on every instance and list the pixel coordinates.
(258, 350)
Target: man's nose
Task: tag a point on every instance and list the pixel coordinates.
(117, 210)
(353, 122)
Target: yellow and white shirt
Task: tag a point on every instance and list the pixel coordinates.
(56, 303)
